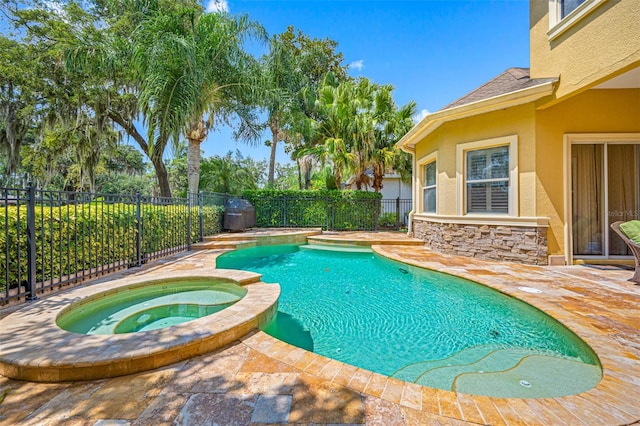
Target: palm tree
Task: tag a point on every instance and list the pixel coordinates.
(392, 124)
(197, 75)
(111, 57)
(280, 82)
(346, 127)
(359, 127)
(226, 174)
(334, 130)
(294, 70)
(377, 125)
(181, 70)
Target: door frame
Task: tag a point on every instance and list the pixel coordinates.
(588, 138)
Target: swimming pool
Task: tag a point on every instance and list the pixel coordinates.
(150, 306)
(417, 325)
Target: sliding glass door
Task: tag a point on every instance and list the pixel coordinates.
(605, 188)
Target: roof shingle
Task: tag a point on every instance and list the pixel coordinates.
(511, 80)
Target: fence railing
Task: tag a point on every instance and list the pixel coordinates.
(52, 238)
(394, 213)
(330, 213)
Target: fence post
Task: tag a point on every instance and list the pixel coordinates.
(189, 220)
(31, 243)
(327, 210)
(398, 213)
(377, 214)
(333, 214)
(284, 217)
(201, 215)
(138, 231)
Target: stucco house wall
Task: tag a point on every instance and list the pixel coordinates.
(512, 121)
(583, 86)
(603, 43)
(613, 111)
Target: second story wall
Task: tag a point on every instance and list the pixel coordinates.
(601, 44)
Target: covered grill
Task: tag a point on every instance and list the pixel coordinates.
(239, 215)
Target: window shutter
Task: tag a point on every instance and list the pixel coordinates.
(499, 197)
(476, 198)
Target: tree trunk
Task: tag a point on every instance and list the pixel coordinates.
(193, 165)
(161, 175)
(304, 171)
(378, 175)
(337, 175)
(156, 160)
(196, 134)
(359, 182)
(299, 174)
(275, 134)
(307, 177)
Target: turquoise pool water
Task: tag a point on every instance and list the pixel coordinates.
(418, 325)
(150, 307)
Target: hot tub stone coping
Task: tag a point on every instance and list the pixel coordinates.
(35, 348)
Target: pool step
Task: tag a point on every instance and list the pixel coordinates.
(412, 372)
(335, 247)
(497, 360)
(222, 244)
(535, 376)
(366, 240)
(233, 237)
(500, 372)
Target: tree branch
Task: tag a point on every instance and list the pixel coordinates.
(130, 129)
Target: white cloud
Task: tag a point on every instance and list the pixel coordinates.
(419, 116)
(357, 65)
(216, 6)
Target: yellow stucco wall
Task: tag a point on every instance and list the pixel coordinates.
(540, 149)
(594, 111)
(512, 121)
(605, 43)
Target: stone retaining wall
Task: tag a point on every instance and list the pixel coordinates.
(496, 242)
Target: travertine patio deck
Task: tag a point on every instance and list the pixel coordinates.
(261, 380)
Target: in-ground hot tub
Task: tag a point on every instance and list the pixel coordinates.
(150, 306)
(35, 348)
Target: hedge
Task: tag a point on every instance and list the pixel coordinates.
(336, 210)
(76, 237)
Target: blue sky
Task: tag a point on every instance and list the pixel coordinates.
(432, 52)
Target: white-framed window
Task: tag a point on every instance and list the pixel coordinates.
(429, 188)
(568, 6)
(563, 14)
(487, 180)
(428, 167)
(487, 173)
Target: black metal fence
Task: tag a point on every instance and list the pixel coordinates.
(52, 238)
(57, 237)
(330, 213)
(394, 213)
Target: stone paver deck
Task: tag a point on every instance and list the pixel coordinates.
(261, 380)
(51, 354)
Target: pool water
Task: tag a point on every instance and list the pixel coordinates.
(418, 325)
(150, 307)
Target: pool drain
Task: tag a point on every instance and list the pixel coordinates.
(525, 384)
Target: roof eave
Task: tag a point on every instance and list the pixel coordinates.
(432, 121)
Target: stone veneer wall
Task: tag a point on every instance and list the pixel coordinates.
(496, 242)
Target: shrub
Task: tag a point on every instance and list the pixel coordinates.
(76, 237)
(387, 220)
(340, 210)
